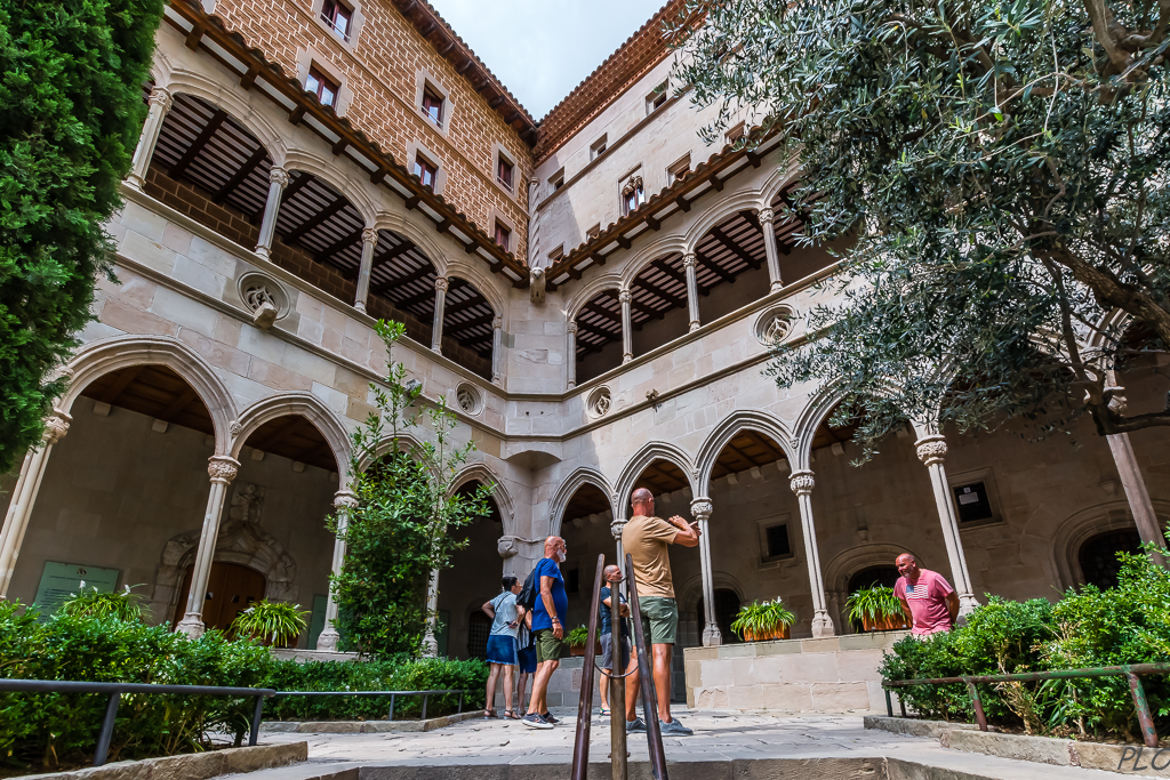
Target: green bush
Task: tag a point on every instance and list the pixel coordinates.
(1088, 627)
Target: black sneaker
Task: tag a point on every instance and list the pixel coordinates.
(636, 726)
(550, 719)
(534, 721)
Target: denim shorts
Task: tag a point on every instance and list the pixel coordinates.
(501, 649)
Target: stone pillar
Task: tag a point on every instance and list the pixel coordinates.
(701, 508)
(369, 244)
(222, 469)
(160, 103)
(571, 354)
(344, 502)
(277, 179)
(497, 348)
(440, 305)
(430, 648)
(770, 249)
(1135, 489)
(24, 496)
(932, 451)
(802, 484)
(689, 260)
(627, 326)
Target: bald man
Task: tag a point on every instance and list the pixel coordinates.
(646, 538)
(929, 601)
(552, 604)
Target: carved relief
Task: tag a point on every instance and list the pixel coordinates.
(599, 403)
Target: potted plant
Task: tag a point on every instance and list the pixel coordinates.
(876, 608)
(762, 620)
(576, 640)
(275, 623)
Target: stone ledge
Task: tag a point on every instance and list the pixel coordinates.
(913, 727)
(191, 766)
(365, 726)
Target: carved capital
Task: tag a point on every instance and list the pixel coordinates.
(572, 327)
(56, 426)
(766, 216)
(441, 283)
(161, 97)
(344, 500)
(369, 236)
(497, 323)
(931, 449)
(278, 176)
(702, 507)
(689, 260)
(222, 468)
(506, 546)
(616, 527)
(624, 295)
(802, 482)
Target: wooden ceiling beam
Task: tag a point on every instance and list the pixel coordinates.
(213, 124)
(317, 219)
(244, 172)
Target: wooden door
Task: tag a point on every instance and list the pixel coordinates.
(231, 589)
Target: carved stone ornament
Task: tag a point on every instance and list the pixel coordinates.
(161, 96)
(441, 283)
(931, 449)
(468, 398)
(690, 259)
(572, 327)
(624, 295)
(802, 482)
(766, 216)
(599, 403)
(222, 468)
(537, 286)
(632, 185)
(344, 499)
(506, 546)
(278, 176)
(369, 236)
(774, 326)
(235, 428)
(617, 526)
(56, 426)
(264, 297)
(247, 504)
(702, 508)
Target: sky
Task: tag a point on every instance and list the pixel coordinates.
(541, 49)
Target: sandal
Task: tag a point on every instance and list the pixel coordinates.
(489, 714)
(605, 712)
(510, 715)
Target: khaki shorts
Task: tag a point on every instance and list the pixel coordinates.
(659, 619)
(548, 647)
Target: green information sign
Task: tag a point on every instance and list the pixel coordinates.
(59, 581)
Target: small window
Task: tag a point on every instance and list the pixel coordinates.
(338, 16)
(321, 86)
(973, 502)
(557, 180)
(593, 232)
(776, 538)
(656, 99)
(432, 104)
(597, 148)
(556, 254)
(505, 172)
(632, 195)
(425, 170)
(503, 235)
(679, 169)
(735, 134)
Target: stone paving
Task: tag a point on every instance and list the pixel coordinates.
(718, 735)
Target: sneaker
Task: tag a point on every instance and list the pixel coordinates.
(550, 719)
(674, 729)
(635, 726)
(534, 721)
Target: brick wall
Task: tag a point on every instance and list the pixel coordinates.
(194, 202)
(380, 69)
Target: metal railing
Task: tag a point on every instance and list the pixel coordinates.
(392, 694)
(115, 691)
(1132, 672)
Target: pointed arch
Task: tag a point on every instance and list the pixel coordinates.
(479, 472)
(747, 200)
(650, 452)
(422, 238)
(327, 171)
(660, 247)
(581, 476)
(102, 357)
(731, 426)
(231, 101)
(582, 295)
(290, 404)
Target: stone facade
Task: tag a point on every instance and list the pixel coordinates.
(672, 400)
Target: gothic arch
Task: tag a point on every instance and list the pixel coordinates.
(660, 247)
(421, 238)
(655, 450)
(747, 200)
(327, 171)
(585, 293)
(479, 282)
(102, 357)
(481, 473)
(200, 86)
(741, 420)
(845, 564)
(1079, 527)
(289, 404)
(582, 475)
(816, 410)
(781, 177)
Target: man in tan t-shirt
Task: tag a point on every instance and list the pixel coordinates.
(646, 537)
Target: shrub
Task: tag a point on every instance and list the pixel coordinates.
(90, 602)
(273, 623)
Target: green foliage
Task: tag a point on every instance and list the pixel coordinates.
(71, 107)
(994, 177)
(874, 604)
(577, 637)
(762, 617)
(1087, 628)
(408, 519)
(274, 623)
(92, 603)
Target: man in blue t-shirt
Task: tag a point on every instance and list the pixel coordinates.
(552, 604)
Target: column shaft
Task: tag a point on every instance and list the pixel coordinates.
(277, 178)
(932, 451)
(702, 508)
(689, 261)
(369, 243)
(344, 502)
(1135, 489)
(802, 483)
(222, 469)
(627, 327)
(497, 348)
(770, 249)
(440, 307)
(430, 642)
(160, 104)
(571, 355)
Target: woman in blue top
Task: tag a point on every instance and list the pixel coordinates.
(506, 615)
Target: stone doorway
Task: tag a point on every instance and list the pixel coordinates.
(726, 608)
(1098, 555)
(231, 589)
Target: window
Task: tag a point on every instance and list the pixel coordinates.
(425, 170)
(320, 85)
(504, 172)
(632, 195)
(597, 148)
(557, 180)
(432, 104)
(776, 540)
(973, 502)
(503, 234)
(656, 99)
(679, 168)
(338, 16)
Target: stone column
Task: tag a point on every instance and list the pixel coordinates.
(497, 348)
(369, 244)
(1135, 489)
(571, 354)
(616, 527)
(160, 103)
(430, 648)
(689, 260)
(440, 305)
(222, 469)
(770, 249)
(277, 179)
(627, 326)
(802, 484)
(344, 502)
(932, 451)
(701, 508)
(24, 496)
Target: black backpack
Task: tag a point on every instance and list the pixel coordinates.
(527, 597)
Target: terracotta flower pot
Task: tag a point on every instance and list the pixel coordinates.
(885, 623)
(780, 632)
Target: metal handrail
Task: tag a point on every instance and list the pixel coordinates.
(115, 690)
(392, 694)
(1130, 671)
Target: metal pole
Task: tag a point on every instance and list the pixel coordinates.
(1149, 733)
(257, 714)
(424, 709)
(585, 702)
(889, 704)
(107, 733)
(391, 715)
(980, 717)
(459, 708)
(646, 676)
(618, 755)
